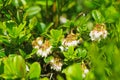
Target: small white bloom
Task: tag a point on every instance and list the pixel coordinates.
(105, 34)
(45, 49)
(71, 43)
(44, 53)
(40, 42)
(98, 33)
(39, 52)
(56, 67)
(86, 71)
(48, 50)
(63, 20)
(71, 40)
(56, 64)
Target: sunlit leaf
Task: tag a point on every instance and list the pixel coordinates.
(35, 71)
(73, 72)
(19, 66)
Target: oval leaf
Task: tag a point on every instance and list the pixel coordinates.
(35, 71)
(20, 66)
(33, 10)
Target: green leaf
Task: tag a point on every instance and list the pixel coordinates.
(59, 77)
(96, 14)
(48, 27)
(35, 71)
(8, 66)
(56, 34)
(43, 3)
(73, 72)
(1, 67)
(33, 10)
(30, 55)
(71, 50)
(41, 27)
(20, 28)
(70, 54)
(23, 54)
(32, 23)
(8, 2)
(2, 53)
(14, 67)
(81, 52)
(19, 66)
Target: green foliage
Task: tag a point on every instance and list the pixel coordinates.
(34, 71)
(56, 36)
(32, 10)
(31, 27)
(97, 16)
(73, 72)
(70, 55)
(14, 67)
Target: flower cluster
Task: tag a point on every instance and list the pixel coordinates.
(70, 40)
(56, 64)
(98, 33)
(44, 49)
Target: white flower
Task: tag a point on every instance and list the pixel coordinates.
(85, 73)
(63, 20)
(98, 33)
(45, 49)
(71, 40)
(105, 34)
(49, 49)
(71, 43)
(44, 53)
(39, 41)
(56, 64)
